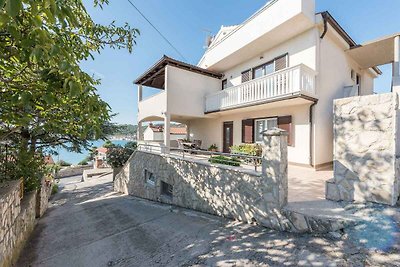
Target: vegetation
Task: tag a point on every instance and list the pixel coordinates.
(63, 163)
(213, 147)
(247, 149)
(225, 160)
(85, 161)
(47, 99)
(54, 189)
(117, 156)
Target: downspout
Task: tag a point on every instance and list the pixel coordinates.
(311, 133)
(311, 119)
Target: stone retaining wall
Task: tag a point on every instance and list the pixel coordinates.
(43, 195)
(73, 171)
(365, 140)
(17, 219)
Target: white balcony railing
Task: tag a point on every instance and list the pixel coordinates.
(294, 80)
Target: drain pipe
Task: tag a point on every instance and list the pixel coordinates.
(311, 118)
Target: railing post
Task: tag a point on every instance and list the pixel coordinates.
(275, 162)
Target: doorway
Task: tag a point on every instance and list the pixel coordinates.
(227, 136)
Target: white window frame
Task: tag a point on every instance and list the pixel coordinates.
(256, 134)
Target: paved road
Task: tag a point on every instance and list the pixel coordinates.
(89, 225)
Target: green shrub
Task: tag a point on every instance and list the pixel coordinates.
(225, 160)
(54, 190)
(213, 147)
(247, 149)
(63, 163)
(117, 156)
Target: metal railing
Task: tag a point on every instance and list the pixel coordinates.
(297, 79)
(234, 160)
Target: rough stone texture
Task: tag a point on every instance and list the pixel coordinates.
(18, 218)
(43, 196)
(222, 190)
(365, 164)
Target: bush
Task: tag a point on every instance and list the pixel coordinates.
(213, 147)
(225, 160)
(85, 161)
(247, 149)
(54, 190)
(63, 163)
(117, 156)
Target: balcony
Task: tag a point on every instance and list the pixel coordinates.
(298, 80)
(152, 107)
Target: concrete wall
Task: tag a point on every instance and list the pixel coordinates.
(73, 171)
(365, 162)
(334, 73)
(299, 152)
(186, 91)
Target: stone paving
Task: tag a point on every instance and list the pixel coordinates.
(89, 225)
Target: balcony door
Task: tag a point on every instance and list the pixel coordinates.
(227, 136)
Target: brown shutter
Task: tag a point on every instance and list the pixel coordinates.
(248, 131)
(246, 76)
(281, 63)
(285, 123)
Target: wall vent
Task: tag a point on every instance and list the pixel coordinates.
(167, 189)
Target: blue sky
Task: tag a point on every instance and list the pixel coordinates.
(184, 23)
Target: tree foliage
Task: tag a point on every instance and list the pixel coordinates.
(47, 99)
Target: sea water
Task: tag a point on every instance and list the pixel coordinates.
(75, 158)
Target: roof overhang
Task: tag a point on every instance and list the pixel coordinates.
(374, 53)
(155, 76)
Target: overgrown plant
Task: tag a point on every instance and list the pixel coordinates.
(117, 156)
(47, 100)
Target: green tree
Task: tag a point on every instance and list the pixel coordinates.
(47, 99)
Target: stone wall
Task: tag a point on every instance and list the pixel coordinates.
(43, 195)
(231, 192)
(17, 219)
(73, 171)
(365, 162)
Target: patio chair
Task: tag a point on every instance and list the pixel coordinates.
(197, 144)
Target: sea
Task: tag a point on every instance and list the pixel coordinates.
(75, 158)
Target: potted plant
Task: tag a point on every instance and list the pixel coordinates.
(213, 148)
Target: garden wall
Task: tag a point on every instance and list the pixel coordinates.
(73, 171)
(17, 218)
(366, 149)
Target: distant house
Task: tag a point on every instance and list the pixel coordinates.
(48, 160)
(100, 158)
(156, 133)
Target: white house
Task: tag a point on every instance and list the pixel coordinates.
(282, 67)
(156, 133)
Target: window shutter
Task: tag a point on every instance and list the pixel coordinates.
(248, 131)
(246, 76)
(281, 63)
(285, 123)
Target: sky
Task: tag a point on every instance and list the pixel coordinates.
(186, 22)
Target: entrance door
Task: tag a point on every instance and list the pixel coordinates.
(228, 136)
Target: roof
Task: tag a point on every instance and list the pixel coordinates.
(153, 77)
(48, 160)
(374, 53)
(102, 149)
(336, 26)
(173, 130)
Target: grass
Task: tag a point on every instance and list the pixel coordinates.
(225, 160)
(54, 190)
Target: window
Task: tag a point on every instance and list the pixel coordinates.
(277, 64)
(149, 178)
(246, 76)
(166, 189)
(224, 84)
(261, 125)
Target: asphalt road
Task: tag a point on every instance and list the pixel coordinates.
(89, 225)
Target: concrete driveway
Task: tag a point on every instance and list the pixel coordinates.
(89, 225)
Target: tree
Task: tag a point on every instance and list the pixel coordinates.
(47, 99)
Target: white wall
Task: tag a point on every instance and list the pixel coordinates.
(301, 49)
(150, 135)
(210, 130)
(186, 91)
(334, 73)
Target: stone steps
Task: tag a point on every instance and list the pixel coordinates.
(319, 216)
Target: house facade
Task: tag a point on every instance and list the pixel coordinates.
(282, 67)
(156, 133)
